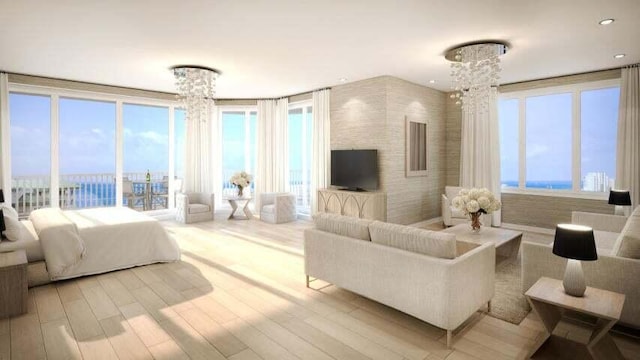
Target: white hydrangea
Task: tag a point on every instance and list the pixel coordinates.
(474, 200)
(473, 206)
(242, 179)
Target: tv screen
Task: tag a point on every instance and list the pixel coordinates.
(354, 169)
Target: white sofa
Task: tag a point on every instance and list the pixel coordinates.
(450, 215)
(423, 273)
(617, 268)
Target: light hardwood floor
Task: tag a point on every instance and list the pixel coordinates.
(239, 293)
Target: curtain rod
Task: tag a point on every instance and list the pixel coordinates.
(275, 98)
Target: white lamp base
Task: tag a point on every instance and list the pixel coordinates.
(622, 210)
(573, 282)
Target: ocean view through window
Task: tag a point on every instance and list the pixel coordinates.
(569, 137)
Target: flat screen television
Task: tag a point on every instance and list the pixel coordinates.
(355, 170)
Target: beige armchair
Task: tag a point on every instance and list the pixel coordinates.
(194, 207)
(450, 215)
(277, 208)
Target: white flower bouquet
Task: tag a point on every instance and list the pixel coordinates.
(241, 179)
(474, 200)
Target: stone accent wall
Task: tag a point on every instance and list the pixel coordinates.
(370, 114)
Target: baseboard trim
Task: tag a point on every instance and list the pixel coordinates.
(527, 228)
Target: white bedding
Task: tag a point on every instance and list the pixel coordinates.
(84, 242)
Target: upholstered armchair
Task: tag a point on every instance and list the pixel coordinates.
(450, 215)
(277, 208)
(194, 207)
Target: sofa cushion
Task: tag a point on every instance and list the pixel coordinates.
(628, 243)
(198, 208)
(343, 225)
(433, 243)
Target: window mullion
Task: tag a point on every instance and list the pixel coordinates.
(576, 168)
(522, 133)
(54, 185)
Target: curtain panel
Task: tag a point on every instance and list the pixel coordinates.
(5, 137)
(321, 145)
(480, 152)
(198, 165)
(273, 148)
(628, 148)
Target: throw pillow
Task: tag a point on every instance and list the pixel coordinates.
(9, 211)
(433, 243)
(628, 243)
(343, 225)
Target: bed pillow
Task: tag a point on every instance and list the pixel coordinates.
(9, 211)
(14, 228)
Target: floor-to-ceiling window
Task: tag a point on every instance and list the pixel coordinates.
(238, 145)
(30, 121)
(299, 131)
(78, 150)
(87, 153)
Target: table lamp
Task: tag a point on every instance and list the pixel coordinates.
(576, 243)
(622, 201)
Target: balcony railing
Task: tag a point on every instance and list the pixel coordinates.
(29, 193)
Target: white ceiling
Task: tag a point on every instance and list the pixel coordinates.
(273, 48)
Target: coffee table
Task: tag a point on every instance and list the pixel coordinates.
(549, 301)
(507, 242)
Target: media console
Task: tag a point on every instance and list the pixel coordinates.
(360, 204)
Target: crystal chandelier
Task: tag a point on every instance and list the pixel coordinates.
(196, 87)
(475, 71)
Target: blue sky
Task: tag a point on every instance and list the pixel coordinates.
(548, 139)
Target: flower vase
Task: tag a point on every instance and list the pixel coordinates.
(240, 188)
(475, 221)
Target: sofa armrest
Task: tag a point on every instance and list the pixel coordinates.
(602, 222)
(446, 210)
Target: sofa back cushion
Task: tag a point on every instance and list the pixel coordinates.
(628, 243)
(343, 225)
(432, 243)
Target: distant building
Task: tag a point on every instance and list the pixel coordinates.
(596, 181)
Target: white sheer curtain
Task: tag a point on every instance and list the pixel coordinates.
(198, 175)
(5, 149)
(321, 145)
(273, 147)
(628, 151)
(480, 152)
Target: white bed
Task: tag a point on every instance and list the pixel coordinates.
(83, 242)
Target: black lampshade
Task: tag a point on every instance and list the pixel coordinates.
(3, 227)
(1, 196)
(575, 242)
(619, 197)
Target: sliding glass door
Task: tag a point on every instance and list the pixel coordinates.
(238, 146)
(300, 131)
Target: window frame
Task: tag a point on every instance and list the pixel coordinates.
(303, 105)
(576, 150)
(247, 110)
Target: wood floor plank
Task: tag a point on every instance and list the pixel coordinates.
(191, 342)
(123, 339)
(246, 354)
(129, 279)
(82, 320)
(59, 342)
(215, 333)
(49, 304)
(5, 346)
(26, 338)
(145, 326)
(168, 350)
(145, 274)
(153, 304)
(354, 340)
(257, 341)
(116, 290)
(98, 348)
(68, 290)
(100, 302)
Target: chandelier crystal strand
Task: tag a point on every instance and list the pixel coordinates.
(196, 91)
(475, 75)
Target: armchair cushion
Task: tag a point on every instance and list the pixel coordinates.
(198, 208)
(269, 209)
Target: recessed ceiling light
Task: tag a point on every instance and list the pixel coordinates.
(432, 81)
(619, 56)
(606, 21)
(343, 79)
